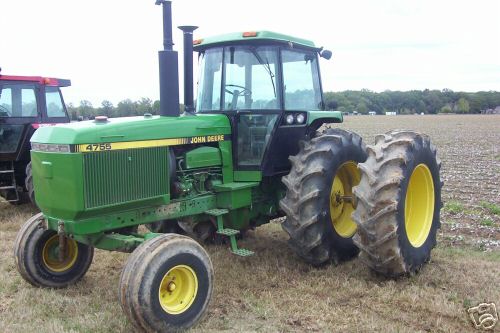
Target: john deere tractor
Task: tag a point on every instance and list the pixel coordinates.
(258, 145)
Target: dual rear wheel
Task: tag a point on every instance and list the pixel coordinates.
(382, 200)
(319, 198)
(399, 202)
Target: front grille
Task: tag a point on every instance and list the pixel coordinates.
(121, 176)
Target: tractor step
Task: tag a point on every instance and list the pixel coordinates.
(242, 252)
(8, 182)
(217, 212)
(228, 232)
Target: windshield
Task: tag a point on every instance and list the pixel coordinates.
(249, 82)
(17, 100)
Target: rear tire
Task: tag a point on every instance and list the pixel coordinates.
(166, 284)
(29, 183)
(399, 201)
(318, 221)
(36, 255)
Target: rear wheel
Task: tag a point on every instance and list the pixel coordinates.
(36, 251)
(167, 283)
(29, 183)
(399, 200)
(319, 199)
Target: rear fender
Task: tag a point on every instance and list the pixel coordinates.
(315, 119)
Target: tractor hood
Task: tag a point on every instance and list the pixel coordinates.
(131, 129)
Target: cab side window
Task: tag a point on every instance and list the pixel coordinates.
(301, 80)
(55, 107)
(18, 100)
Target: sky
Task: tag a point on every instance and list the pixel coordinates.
(109, 48)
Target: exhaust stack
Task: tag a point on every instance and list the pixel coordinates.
(169, 66)
(188, 66)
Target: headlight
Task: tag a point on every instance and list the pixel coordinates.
(289, 119)
(300, 118)
(50, 148)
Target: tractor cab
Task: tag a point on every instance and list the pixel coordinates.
(26, 103)
(267, 84)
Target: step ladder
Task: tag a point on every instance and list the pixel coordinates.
(231, 233)
(8, 182)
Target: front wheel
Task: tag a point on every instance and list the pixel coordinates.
(36, 251)
(166, 284)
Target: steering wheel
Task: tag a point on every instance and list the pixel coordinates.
(4, 112)
(243, 92)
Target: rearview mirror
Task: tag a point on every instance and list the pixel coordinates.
(327, 54)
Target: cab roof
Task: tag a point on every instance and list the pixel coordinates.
(46, 81)
(252, 37)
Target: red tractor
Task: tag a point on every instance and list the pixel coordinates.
(26, 103)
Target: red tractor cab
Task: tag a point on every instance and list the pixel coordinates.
(26, 103)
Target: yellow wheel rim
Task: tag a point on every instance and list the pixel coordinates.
(178, 289)
(342, 202)
(419, 205)
(50, 254)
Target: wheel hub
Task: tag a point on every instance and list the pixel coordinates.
(56, 261)
(419, 205)
(171, 286)
(342, 202)
(178, 289)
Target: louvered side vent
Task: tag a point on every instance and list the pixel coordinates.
(121, 176)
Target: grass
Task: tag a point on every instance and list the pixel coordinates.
(454, 207)
(491, 207)
(487, 222)
(273, 291)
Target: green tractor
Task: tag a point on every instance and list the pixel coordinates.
(258, 145)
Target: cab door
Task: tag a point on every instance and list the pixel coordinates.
(250, 94)
(19, 108)
(253, 132)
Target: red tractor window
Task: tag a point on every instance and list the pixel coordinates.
(18, 100)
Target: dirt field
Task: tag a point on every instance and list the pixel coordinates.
(273, 291)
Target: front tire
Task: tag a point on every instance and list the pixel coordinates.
(166, 284)
(319, 200)
(37, 257)
(399, 201)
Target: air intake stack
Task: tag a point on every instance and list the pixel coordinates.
(169, 67)
(188, 66)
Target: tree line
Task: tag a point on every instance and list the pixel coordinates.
(362, 101)
(414, 101)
